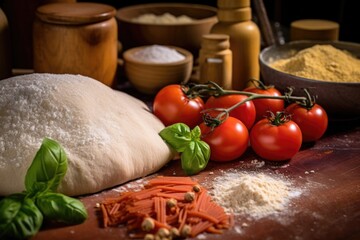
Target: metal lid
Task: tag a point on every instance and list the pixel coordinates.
(75, 13)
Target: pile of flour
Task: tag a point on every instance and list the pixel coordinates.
(254, 194)
(158, 54)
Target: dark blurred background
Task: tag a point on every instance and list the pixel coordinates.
(344, 12)
(281, 13)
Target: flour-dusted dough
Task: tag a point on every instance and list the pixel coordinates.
(109, 136)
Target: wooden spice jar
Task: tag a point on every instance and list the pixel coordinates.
(215, 60)
(76, 38)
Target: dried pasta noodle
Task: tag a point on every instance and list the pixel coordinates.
(170, 203)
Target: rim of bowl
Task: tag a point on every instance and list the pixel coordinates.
(121, 17)
(128, 58)
(310, 43)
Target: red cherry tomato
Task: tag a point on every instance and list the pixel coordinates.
(275, 142)
(245, 112)
(312, 121)
(228, 141)
(264, 105)
(171, 105)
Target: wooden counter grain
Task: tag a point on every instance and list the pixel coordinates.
(328, 172)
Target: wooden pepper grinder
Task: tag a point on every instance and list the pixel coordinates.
(235, 20)
(76, 38)
(215, 60)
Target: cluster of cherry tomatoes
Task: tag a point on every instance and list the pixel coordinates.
(274, 130)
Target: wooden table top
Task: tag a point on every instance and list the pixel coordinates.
(329, 208)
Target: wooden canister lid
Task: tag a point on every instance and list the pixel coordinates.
(314, 29)
(233, 3)
(75, 13)
(234, 15)
(214, 41)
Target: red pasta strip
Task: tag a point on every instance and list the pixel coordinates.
(162, 211)
(204, 216)
(105, 215)
(177, 196)
(200, 227)
(145, 193)
(162, 180)
(175, 189)
(212, 229)
(182, 220)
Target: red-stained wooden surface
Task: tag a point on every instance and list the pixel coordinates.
(328, 172)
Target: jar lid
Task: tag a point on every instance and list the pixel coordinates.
(233, 3)
(75, 13)
(215, 41)
(314, 29)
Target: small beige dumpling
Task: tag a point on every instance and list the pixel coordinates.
(109, 137)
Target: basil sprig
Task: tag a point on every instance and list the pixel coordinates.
(195, 152)
(22, 214)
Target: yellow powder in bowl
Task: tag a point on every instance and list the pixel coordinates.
(321, 62)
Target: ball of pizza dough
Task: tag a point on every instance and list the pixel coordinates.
(109, 136)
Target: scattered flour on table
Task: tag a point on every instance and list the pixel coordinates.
(254, 194)
(135, 185)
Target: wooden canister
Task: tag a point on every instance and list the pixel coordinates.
(76, 38)
(314, 29)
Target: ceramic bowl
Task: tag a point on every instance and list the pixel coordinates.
(149, 77)
(184, 35)
(340, 100)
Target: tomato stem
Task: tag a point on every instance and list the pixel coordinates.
(213, 122)
(278, 118)
(260, 84)
(213, 89)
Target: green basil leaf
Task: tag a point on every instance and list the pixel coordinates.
(61, 208)
(177, 136)
(19, 217)
(47, 169)
(195, 157)
(196, 133)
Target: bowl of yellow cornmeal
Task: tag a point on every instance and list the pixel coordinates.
(330, 70)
